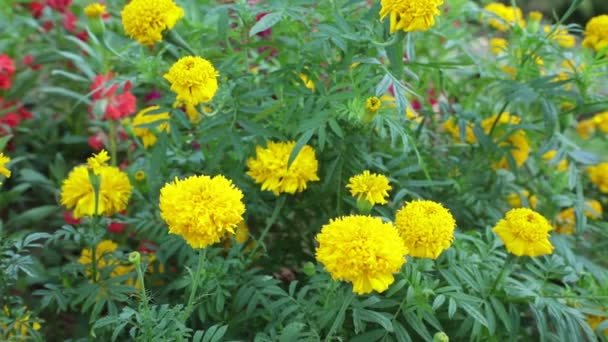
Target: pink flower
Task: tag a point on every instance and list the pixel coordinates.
(69, 21)
(59, 5)
(7, 70)
(117, 106)
(96, 141)
(116, 227)
(36, 8)
(68, 217)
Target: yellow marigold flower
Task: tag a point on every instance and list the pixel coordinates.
(498, 45)
(600, 121)
(585, 128)
(362, 250)
(201, 209)
(505, 119)
(550, 155)
(105, 259)
(372, 187)
(507, 15)
(147, 135)
(308, 83)
(95, 10)
(525, 232)
(596, 33)
(3, 161)
(373, 104)
(410, 15)
(98, 161)
(517, 141)
(452, 127)
(145, 20)
(426, 227)
(595, 321)
(561, 36)
(78, 193)
(565, 222)
(599, 176)
(19, 327)
(193, 79)
(388, 101)
(140, 175)
(535, 16)
(193, 113)
(515, 199)
(269, 167)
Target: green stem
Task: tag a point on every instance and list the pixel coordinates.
(197, 277)
(113, 144)
(340, 317)
(144, 299)
(275, 214)
(508, 263)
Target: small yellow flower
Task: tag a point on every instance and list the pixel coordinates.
(372, 187)
(78, 193)
(3, 169)
(565, 222)
(95, 10)
(308, 83)
(148, 135)
(98, 161)
(193, 79)
(535, 16)
(20, 326)
(498, 45)
(373, 104)
(561, 36)
(549, 157)
(202, 209)
(517, 142)
(595, 321)
(515, 199)
(507, 16)
(599, 176)
(140, 175)
(362, 250)
(586, 128)
(596, 33)
(600, 121)
(525, 232)
(269, 168)
(145, 20)
(410, 15)
(426, 227)
(453, 128)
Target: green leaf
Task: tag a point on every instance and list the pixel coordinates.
(267, 21)
(376, 317)
(291, 332)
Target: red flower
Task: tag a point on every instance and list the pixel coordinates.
(68, 217)
(59, 5)
(28, 60)
(83, 36)
(147, 246)
(96, 141)
(11, 120)
(24, 114)
(153, 95)
(266, 32)
(69, 21)
(36, 8)
(47, 26)
(7, 70)
(116, 227)
(117, 106)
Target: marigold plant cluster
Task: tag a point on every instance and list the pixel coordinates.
(257, 170)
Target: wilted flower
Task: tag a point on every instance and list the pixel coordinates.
(193, 79)
(269, 167)
(525, 232)
(410, 15)
(145, 20)
(201, 209)
(362, 250)
(426, 227)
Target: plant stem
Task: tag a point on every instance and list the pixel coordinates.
(275, 214)
(340, 317)
(508, 262)
(144, 299)
(113, 142)
(197, 277)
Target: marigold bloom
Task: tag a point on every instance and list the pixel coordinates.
(426, 227)
(201, 209)
(95, 10)
(193, 79)
(549, 157)
(373, 104)
(148, 135)
(565, 222)
(410, 15)
(517, 141)
(599, 176)
(7, 70)
(98, 161)
(525, 232)
(498, 45)
(77, 191)
(362, 250)
(515, 199)
(585, 128)
(3, 169)
(145, 20)
(596, 33)
(507, 15)
(561, 36)
(372, 187)
(600, 121)
(453, 128)
(308, 83)
(104, 259)
(19, 327)
(269, 167)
